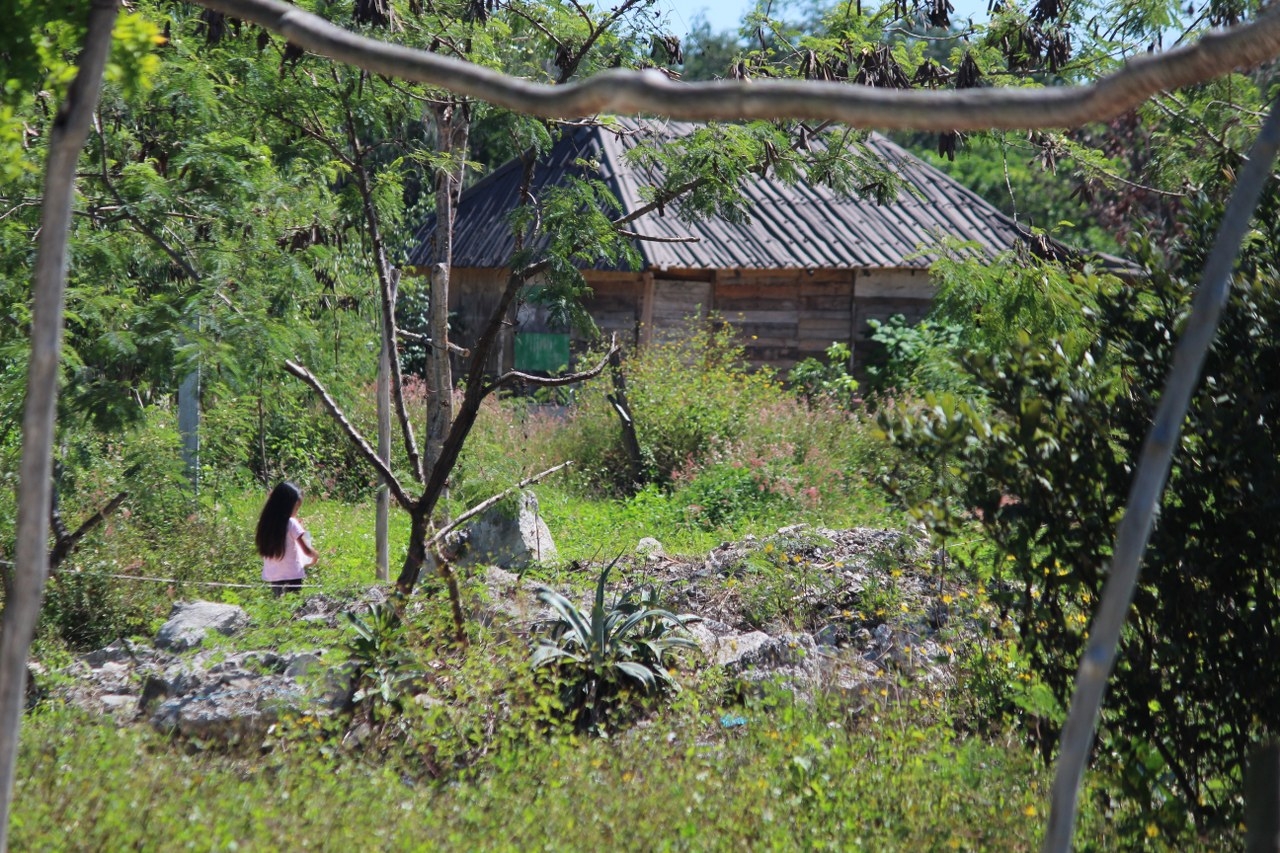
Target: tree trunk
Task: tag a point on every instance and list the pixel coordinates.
(31, 564)
(630, 440)
(453, 122)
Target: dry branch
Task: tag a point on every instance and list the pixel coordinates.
(488, 502)
(425, 340)
(646, 238)
(357, 439)
(651, 92)
(65, 542)
(556, 381)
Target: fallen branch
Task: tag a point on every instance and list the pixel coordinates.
(651, 92)
(357, 439)
(1134, 529)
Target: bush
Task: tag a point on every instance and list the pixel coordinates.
(688, 396)
(915, 359)
(828, 380)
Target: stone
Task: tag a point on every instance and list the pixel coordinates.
(303, 666)
(228, 714)
(498, 539)
(191, 621)
(117, 703)
(649, 548)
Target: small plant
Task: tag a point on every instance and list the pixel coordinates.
(602, 656)
(914, 358)
(378, 654)
(830, 380)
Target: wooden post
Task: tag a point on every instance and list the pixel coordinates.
(853, 320)
(646, 311)
(382, 522)
(1262, 801)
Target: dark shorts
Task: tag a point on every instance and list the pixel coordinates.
(279, 588)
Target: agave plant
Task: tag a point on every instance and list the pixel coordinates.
(602, 656)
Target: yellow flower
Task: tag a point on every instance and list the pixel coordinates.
(1029, 811)
(947, 599)
(1152, 830)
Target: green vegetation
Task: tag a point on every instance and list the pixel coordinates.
(609, 658)
(465, 739)
(240, 203)
(790, 777)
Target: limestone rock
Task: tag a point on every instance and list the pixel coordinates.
(498, 539)
(191, 621)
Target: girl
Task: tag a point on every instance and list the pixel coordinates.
(283, 543)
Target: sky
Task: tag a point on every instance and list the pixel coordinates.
(726, 14)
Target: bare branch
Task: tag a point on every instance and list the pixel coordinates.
(555, 381)
(597, 30)
(357, 439)
(1148, 485)
(68, 542)
(645, 237)
(488, 502)
(425, 340)
(652, 92)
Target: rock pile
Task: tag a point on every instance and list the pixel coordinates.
(865, 618)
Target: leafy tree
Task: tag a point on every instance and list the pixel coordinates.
(1046, 465)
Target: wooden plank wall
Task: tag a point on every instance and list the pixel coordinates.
(782, 316)
(883, 293)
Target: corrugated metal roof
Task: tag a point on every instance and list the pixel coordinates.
(790, 226)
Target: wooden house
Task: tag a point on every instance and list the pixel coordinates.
(808, 268)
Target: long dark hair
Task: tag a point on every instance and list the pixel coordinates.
(273, 524)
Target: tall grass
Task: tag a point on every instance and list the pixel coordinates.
(786, 777)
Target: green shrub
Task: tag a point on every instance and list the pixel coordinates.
(915, 359)
(830, 380)
(688, 394)
(1047, 468)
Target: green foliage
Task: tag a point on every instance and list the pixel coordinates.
(831, 380)
(86, 608)
(914, 359)
(1047, 468)
(993, 303)
(836, 779)
(598, 659)
(674, 426)
(380, 660)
